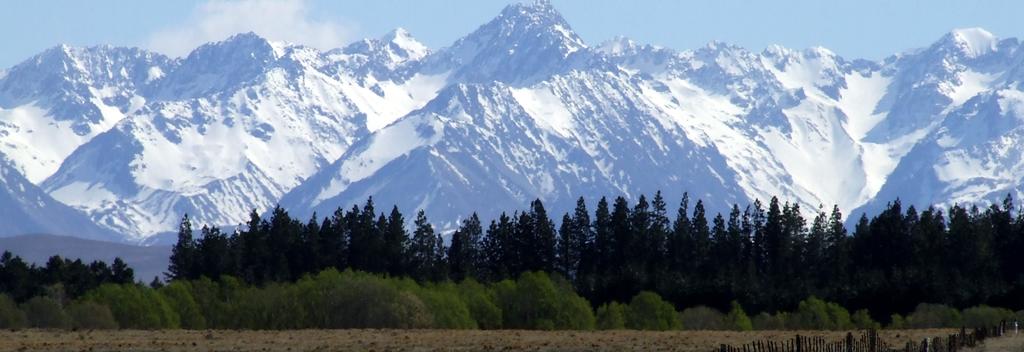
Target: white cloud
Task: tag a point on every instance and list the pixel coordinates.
(278, 20)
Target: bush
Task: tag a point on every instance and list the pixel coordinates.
(211, 299)
(861, 320)
(611, 316)
(816, 314)
(738, 319)
(897, 321)
(45, 312)
(10, 316)
(275, 306)
(351, 300)
(647, 311)
(480, 302)
(765, 321)
(447, 309)
(535, 302)
(91, 315)
(933, 316)
(703, 318)
(985, 316)
(135, 307)
(179, 295)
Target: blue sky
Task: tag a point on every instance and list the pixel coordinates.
(855, 29)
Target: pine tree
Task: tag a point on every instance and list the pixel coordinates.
(701, 235)
(659, 233)
(622, 234)
(214, 254)
(183, 255)
(395, 241)
(638, 255)
(604, 243)
(566, 238)
(545, 241)
(121, 273)
(422, 249)
(464, 252)
(680, 243)
(581, 248)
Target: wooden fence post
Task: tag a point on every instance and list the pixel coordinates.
(872, 341)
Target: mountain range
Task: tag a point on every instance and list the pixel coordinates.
(119, 143)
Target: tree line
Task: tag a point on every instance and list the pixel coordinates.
(766, 257)
(20, 280)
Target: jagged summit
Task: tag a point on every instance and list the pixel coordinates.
(973, 42)
(394, 48)
(525, 43)
(407, 45)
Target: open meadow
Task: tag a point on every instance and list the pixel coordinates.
(409, 340)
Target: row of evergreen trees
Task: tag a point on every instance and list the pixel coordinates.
(21, 281)
(766, 257)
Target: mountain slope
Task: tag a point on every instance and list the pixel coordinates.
(61, 98)
(27, 209)
(232, 128)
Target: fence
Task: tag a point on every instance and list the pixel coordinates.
(869, 342)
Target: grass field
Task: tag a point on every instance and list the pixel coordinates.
(404, 340)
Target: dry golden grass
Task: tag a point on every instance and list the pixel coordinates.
(1009, 343)
(406, 340)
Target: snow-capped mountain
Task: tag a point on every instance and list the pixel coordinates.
(58, 100)
(231, 128)
(27, 209)
(520, 108)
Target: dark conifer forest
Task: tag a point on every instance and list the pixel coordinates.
(767, 257)
(619, 265)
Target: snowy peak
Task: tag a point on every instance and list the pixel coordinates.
(382, 56)
(617, 46)
(525, 43)
(70, 70)
(538, 18)
(241, 47)
(972, 42)
(405, 45)
(220, 66)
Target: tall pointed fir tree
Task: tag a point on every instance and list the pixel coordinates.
(422, 250)
(394, 242)
(545, 238)
(464, 252)
(183, 255)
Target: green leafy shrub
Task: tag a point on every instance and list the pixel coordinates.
(45, 312)
(985, 316)
(703, 318)
(933, 316)
(135, 307)
(446, 307)
(861, 320)
(897, 321)
(611, 316)
(816, 314)
(738, 319)
(11, 317)
(91, 315)
(480, 302)
(535, 302)
(179, 295)
(647, 311)
(766, 321)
